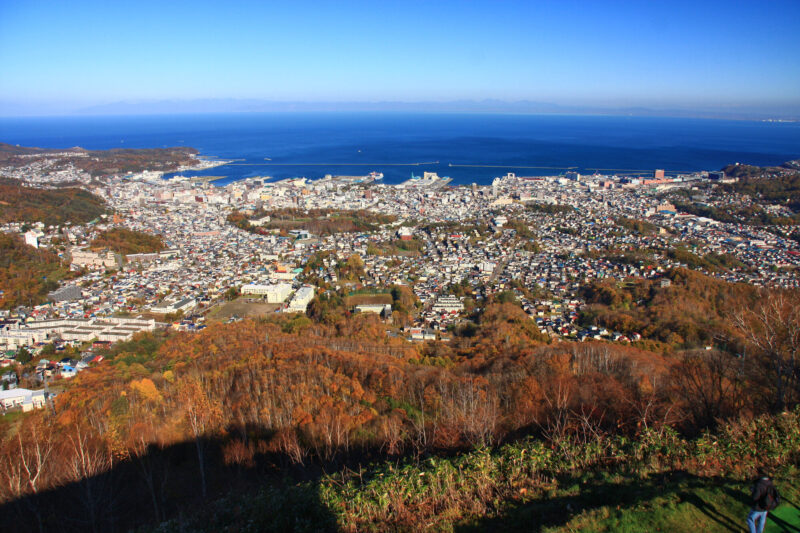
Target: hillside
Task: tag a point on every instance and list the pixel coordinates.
(19, 203)
(27, 274)
(317, 221)
(123, 161)
(101, 162)
(657, 482)
(329, 421)
(125, 241)
(783, 189)
(693, 311)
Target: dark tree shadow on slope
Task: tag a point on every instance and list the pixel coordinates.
(792, 503)
(787, 507)
(269, 493)
(597, 493)
(712, 512)
(783, 525)
(787, 510)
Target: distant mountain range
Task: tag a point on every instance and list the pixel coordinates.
(232, 105)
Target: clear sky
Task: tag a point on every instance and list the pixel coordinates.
(650, 53)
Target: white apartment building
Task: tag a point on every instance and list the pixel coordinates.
(24, 398)
(274, 293)
(301, 299)
(89, 259)
(32, 237)
(448, 304)
(73, 329)
(165, 308)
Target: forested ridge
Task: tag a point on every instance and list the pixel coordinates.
(19, 203)
(768, 188)
(126, 241)
(27, 274)
(781, 189)
(102, 162)
(169, 421)
(692, 311)
(124, 160)
(317, 221)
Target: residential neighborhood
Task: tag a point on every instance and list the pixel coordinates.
(541, 238)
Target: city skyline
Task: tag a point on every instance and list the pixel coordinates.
(714, 59)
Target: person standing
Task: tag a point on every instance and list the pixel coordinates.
(765, 498)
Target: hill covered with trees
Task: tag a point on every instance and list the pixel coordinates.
(331, 422)
(19, 203)
(783, 189)
(27, 274)
(126, 241)
(316, 221)
(102, 162)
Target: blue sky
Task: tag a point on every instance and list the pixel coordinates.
(68, 55)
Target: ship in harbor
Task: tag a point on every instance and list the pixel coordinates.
(429, 180)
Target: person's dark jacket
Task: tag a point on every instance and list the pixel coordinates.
(760, 491)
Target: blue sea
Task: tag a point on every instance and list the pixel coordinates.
(470, 148)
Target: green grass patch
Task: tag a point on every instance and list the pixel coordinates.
(657, 481)
(677, 503)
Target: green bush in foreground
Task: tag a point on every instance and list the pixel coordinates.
(605, 483)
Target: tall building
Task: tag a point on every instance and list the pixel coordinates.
(301, 299)
(658, 174)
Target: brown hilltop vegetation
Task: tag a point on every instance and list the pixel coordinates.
(105, 162)
(19, 203)
(27, 274)
(316, 221)
(693, 311)
(125, 160)
(8, 151)
(126, 241)
(169, 420)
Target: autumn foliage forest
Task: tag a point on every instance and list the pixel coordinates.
(99, 163)
(19, 203)
(318, 221)
(171, 420)
(27, 274)
(125, 241)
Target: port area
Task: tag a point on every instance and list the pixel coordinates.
(351, 180)
(429, 180)
(205, 179)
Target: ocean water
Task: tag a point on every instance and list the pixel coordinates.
(466, 147)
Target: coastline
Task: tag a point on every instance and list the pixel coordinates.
(206, 179)
(204, 163)
(469, 148)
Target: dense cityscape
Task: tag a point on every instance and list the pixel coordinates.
(542, 237)
(418, 274)
(455, 267)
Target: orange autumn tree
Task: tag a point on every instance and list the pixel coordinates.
(202, 415)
